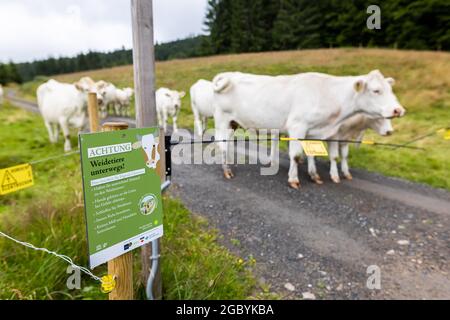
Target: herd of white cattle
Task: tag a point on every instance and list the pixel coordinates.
(303, 106)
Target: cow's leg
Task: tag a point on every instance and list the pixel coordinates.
(274, 145)
(223, 133)
(104, 111)
(65, 129)
(345, 150)
(175, 124)
(164, 120)
(312, 170)
(160, 119)
(198, 125)
(51, 135)
(56, 132)
(117, 107)
(204, 124)
(295, 155)
(334, 156)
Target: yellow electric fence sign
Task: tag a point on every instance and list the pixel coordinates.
(445, 132)
(15, 178)
(315, 148)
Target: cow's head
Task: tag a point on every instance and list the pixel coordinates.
(375, 97)
(87, 85)
(149, 145)
(175, 98)
(129, 92)
(382, 126)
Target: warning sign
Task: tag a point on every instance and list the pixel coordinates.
(314, 148)
(15, 178)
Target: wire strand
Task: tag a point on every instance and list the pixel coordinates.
(60, 256)
(372, 143)
(55, 157)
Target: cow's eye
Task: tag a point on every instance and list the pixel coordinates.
(377, 91)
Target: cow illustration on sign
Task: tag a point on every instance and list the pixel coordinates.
(149, 145)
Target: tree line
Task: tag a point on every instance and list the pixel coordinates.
(21, 72)
(235, 26)
(263, 25)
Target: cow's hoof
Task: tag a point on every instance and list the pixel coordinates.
(316, 179)
(295, 185)
(336, 180)
(349, 177)
(228, 175)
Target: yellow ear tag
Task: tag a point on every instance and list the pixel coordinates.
(108, 283)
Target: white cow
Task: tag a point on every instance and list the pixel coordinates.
(309, 105)
(63, 105)
(168, 103)
(123, 101)
(1, 95)
(352, 129)
(202, 95)
(108, 92)
(86, 84)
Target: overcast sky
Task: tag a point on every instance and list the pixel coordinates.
(36, 29)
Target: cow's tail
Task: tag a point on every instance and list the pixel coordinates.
(221, 83)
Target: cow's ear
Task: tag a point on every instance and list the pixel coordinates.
(78, 86)
(360, 85)
(391, 81)
(182, 94)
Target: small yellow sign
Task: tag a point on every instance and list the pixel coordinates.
(15, 178)
(315, 148)
(447, 135)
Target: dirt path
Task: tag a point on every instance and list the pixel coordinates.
(323, 238)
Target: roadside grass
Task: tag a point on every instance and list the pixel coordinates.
(51, 215)
(423, 87)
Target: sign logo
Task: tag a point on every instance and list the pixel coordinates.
(374, 20)
(374, 280)
(148, 204)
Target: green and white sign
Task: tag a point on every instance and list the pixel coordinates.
(122, 191)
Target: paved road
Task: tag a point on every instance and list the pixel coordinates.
(323, 238)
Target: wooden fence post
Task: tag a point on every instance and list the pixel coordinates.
(93, 112)
(121, 267)
(144, 83)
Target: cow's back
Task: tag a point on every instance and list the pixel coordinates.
(202, 95)
(56, 100)
(255, 101)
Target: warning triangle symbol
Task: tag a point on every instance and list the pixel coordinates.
(8, 179)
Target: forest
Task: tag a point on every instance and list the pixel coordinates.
(266, 25)
(236, 26)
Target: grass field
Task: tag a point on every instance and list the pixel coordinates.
(423, 87)
(51, 215)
